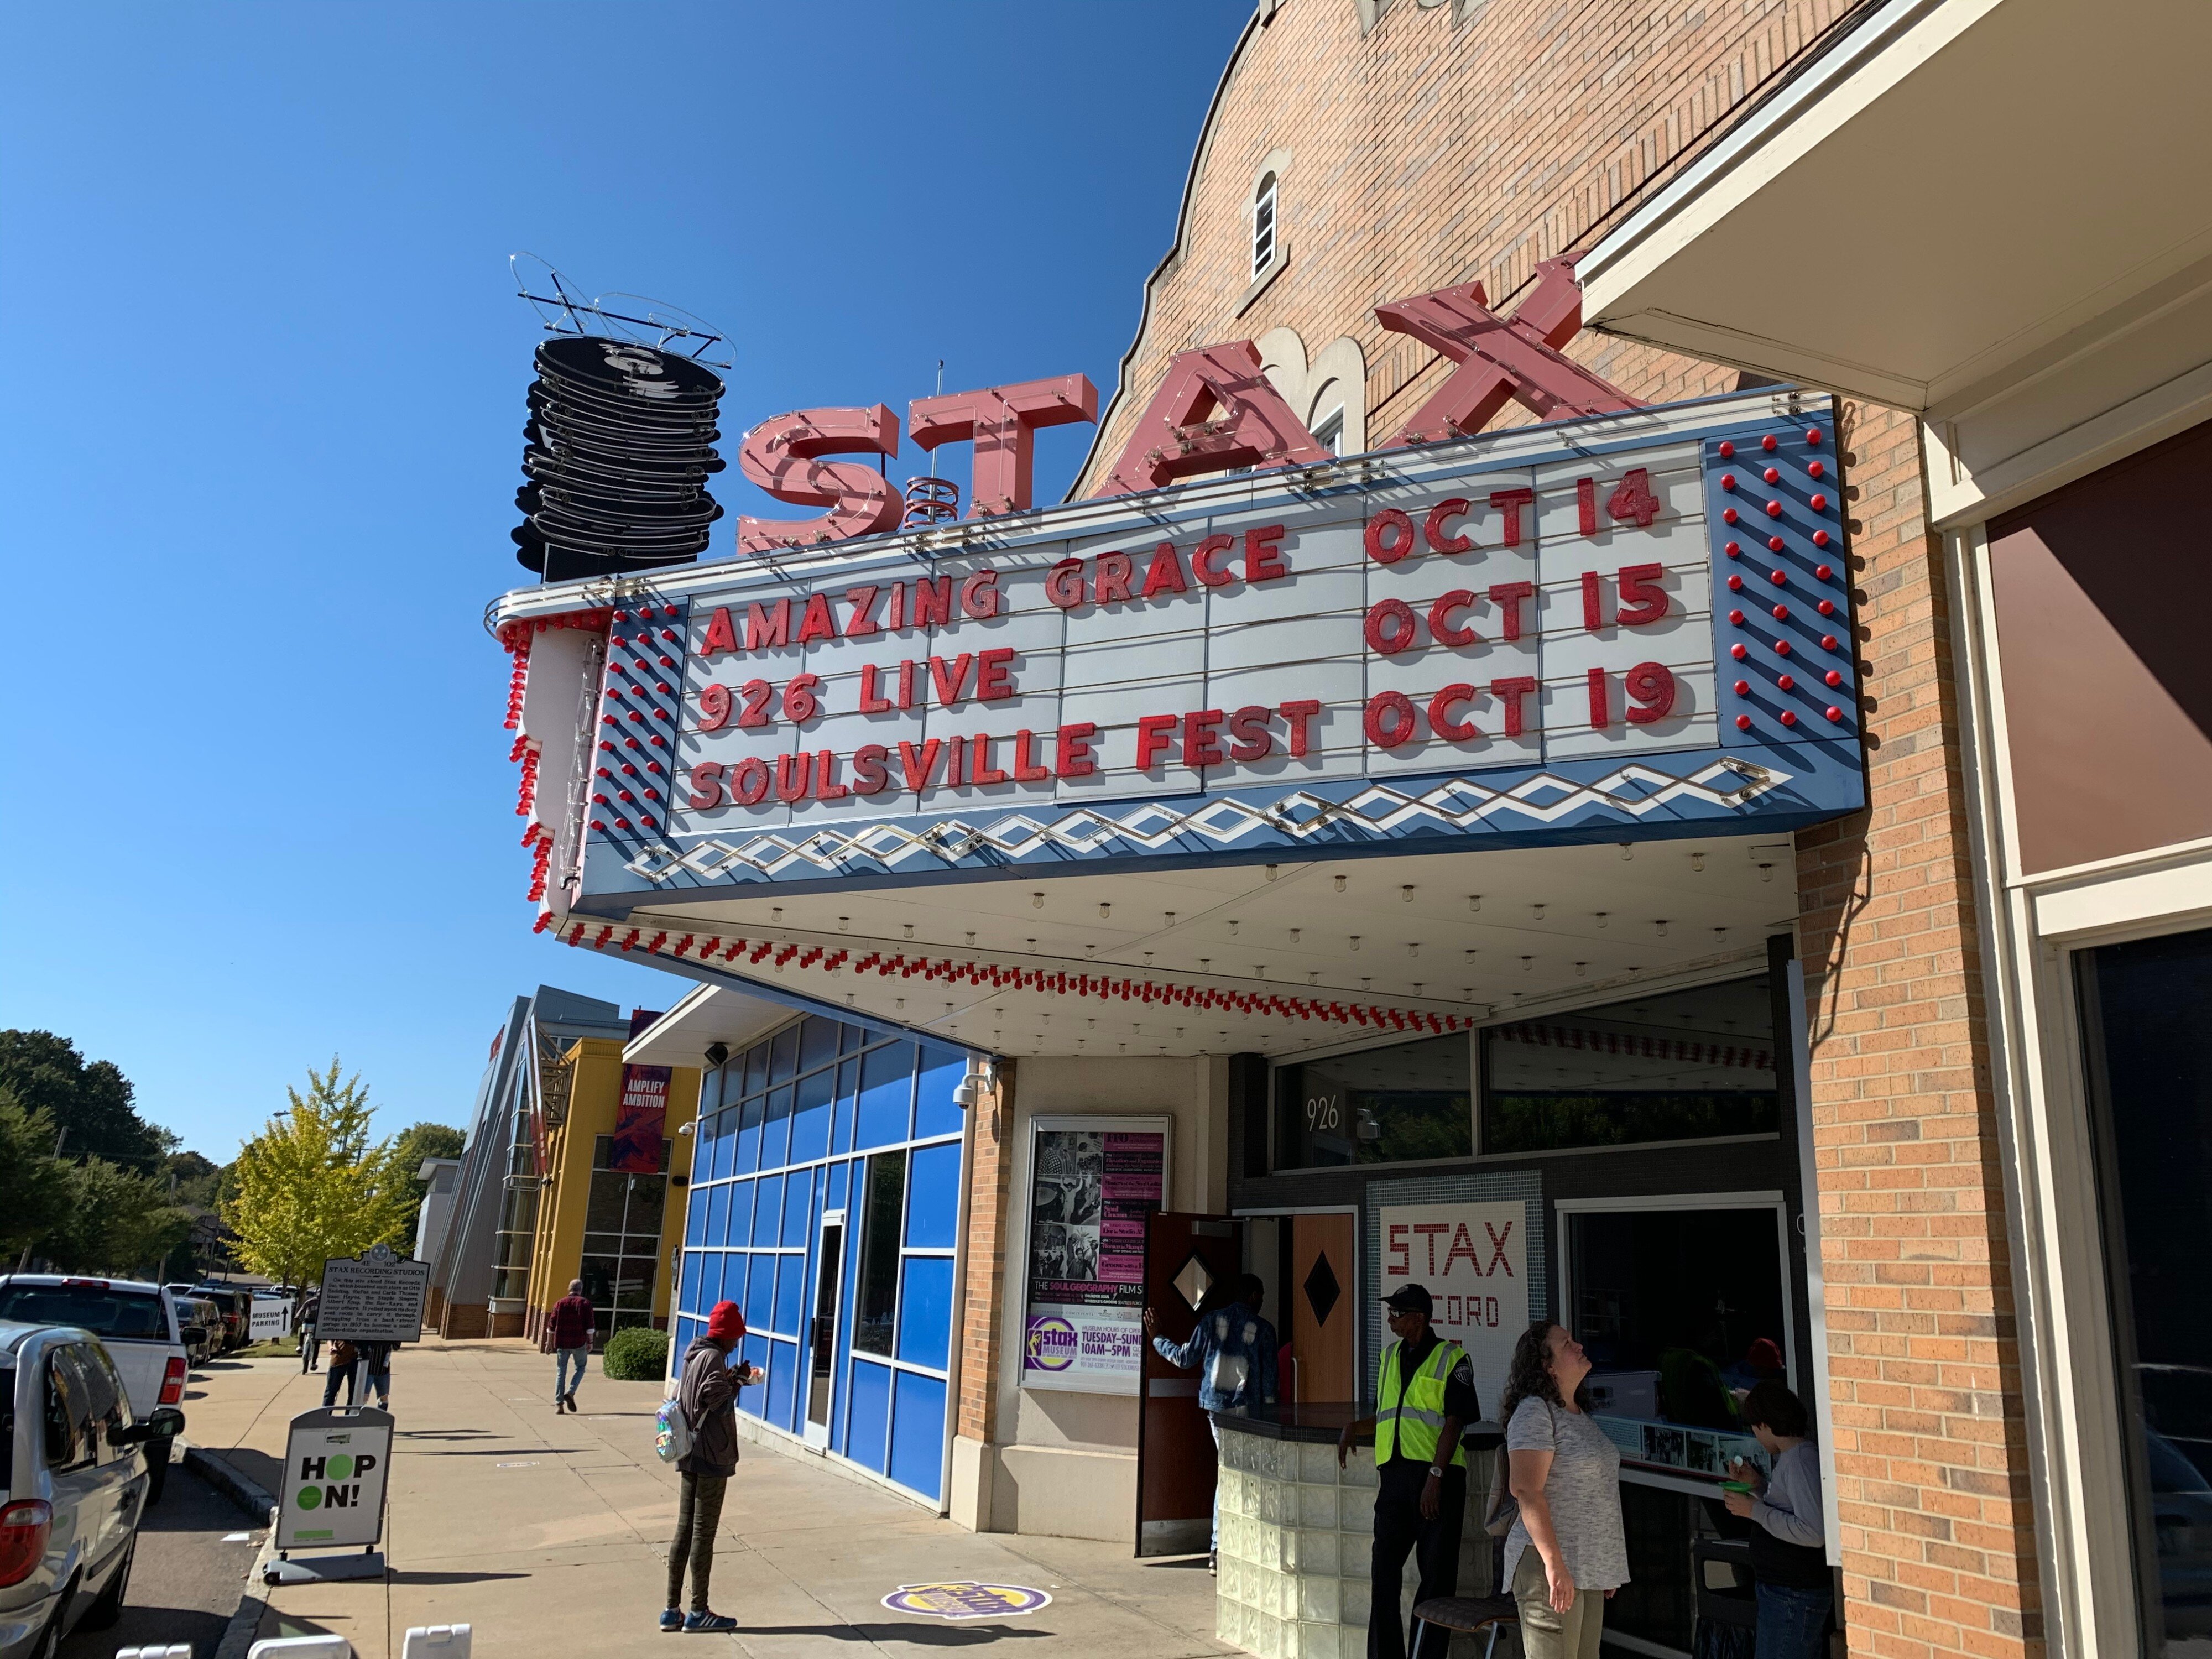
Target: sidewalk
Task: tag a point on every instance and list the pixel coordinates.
(550, 1534)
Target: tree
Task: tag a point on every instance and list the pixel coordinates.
(416, 1142)
(33, 1183)
(193, 1180)
(312, 1185)
(117, 1221)
(94, 1102)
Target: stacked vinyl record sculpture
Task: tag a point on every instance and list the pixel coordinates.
(620, 444)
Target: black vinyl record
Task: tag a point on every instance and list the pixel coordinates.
(644, 416)
(619, 516)
(621, 369)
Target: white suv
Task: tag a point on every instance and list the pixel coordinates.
(135, 1322)
(73, 1483)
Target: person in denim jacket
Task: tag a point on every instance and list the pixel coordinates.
(1233, 1350)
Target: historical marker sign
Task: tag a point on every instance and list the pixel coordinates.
(376, 1297)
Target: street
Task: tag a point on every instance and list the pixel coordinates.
(194, 1549)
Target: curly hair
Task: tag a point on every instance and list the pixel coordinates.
(1529, 1376)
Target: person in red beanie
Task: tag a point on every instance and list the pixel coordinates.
(708, 1395)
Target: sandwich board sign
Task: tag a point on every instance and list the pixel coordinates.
(375, 1297)
(332, 1496)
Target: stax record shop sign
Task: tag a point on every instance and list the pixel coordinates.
(1627, 622)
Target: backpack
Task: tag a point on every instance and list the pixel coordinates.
(672, 1435)
(1503, 1510)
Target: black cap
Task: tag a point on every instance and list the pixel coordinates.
(1410, 1298)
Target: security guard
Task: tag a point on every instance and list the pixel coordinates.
(1423, 1397)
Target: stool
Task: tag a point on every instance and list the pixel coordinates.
(1465, 1613)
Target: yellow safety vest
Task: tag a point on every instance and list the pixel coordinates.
(1410, 1417)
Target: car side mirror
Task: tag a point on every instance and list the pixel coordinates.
(166, 1422)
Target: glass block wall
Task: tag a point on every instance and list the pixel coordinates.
(824, 1198)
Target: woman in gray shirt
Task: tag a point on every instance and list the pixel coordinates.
(1568, 1550)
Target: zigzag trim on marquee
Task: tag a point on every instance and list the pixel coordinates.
(1378, 809)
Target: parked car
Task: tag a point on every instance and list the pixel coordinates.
(236, 1302)
(137, 1324)
(201, 1322)
(74, 1481)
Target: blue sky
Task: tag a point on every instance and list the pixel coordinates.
(261, 412)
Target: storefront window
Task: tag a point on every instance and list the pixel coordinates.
(1404, 1104)
(873, 1318)
(1686, 1065)
(2150, 1087)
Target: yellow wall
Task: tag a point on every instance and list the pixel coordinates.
(558, 1253)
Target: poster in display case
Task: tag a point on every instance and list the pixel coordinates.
(1093, 1181)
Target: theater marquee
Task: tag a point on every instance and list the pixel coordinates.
(1621, 627)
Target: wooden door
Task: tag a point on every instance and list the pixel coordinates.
(1323, 1302)
(1185, 1256)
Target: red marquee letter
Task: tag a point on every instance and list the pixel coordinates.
(1250, 425)
(1002, 421)
(779, 454)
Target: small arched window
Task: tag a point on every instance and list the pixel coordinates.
(1263, 224)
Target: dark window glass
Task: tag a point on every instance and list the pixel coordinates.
(104, 1313)
(841, 1127)
(1378, 1106)
(710, 1090)
(633, 1283)
(647, 1194)
(2150, 1091)
(775, 1133)
(1687, 1065)
(798, 1206)
(755, 1068)
(602, 1210)
(809, 1122)
(598, 1272)
(783, 1054)
(876, 1304)
(749, 1133)
(768, 1215)
(818, 1044)
(602, 1151)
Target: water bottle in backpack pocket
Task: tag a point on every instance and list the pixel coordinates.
(671, 1438)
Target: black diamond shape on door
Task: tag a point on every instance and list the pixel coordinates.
(1322, 1290)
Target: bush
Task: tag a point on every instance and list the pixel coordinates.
(637, 1354)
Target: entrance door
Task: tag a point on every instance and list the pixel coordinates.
(1187, 1257)
(1319, 1296)
(821, 1334)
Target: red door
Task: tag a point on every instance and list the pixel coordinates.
(1186, 1256)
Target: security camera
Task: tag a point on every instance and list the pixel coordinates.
(717, 1053)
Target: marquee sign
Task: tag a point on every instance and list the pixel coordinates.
(1630, 625)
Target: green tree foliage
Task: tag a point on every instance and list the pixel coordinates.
(94, 1102)
(192, 1179)
(416, 1142)
(34, 1184)
(117, 1221)
(312, 1185)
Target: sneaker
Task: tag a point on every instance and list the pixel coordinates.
(671, 1618)
(714, 1623)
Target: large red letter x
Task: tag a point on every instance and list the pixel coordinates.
(1499, 358)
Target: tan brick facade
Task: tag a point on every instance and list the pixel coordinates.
(1451, 143)
(977, 1416)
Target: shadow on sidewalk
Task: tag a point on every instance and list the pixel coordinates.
(413, 1577)
(927, 1635)
(259, 1466)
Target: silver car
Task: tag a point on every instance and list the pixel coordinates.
(73, 1483)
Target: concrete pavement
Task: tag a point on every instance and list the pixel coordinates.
(537, 1528)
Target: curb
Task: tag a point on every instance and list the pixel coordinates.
(261, 1507)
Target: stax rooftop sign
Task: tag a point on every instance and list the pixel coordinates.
(1214, 411)
(1632, 623)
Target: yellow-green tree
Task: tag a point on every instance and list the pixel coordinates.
(312, 1185)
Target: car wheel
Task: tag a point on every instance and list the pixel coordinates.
(50, 1639)
(103, 1613)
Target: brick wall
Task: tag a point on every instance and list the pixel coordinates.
(988, 1219)
(1471, 142)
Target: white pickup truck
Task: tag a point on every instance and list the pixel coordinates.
(136, 1323)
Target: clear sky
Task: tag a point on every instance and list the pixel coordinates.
(261, 410)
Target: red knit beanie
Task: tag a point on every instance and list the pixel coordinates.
(725, 1323)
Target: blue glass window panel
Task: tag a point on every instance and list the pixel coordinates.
(752, 1069)
(868, 1440)
(782, 1369)
(694, 1261)
(886, 1095)
(710, 1090)
(687, 1332)
(810, 1117)
(716, 1202)
(752, 1399)
(783, 1054)
(918, 1435)
(741, 1212)
(695, 1219)
(790, 1295)
(925, 1316)
(775, 1133)
(732, 1285)
(749, 1134)
(850, 1038)
(839, 1180)
(768, 1209)
(817, 1042)
(726, 1140)
(841, 1129)
(933, 1196)
(712, 1159)
(759, 1303)
(935, 1113)
(798, 1206)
